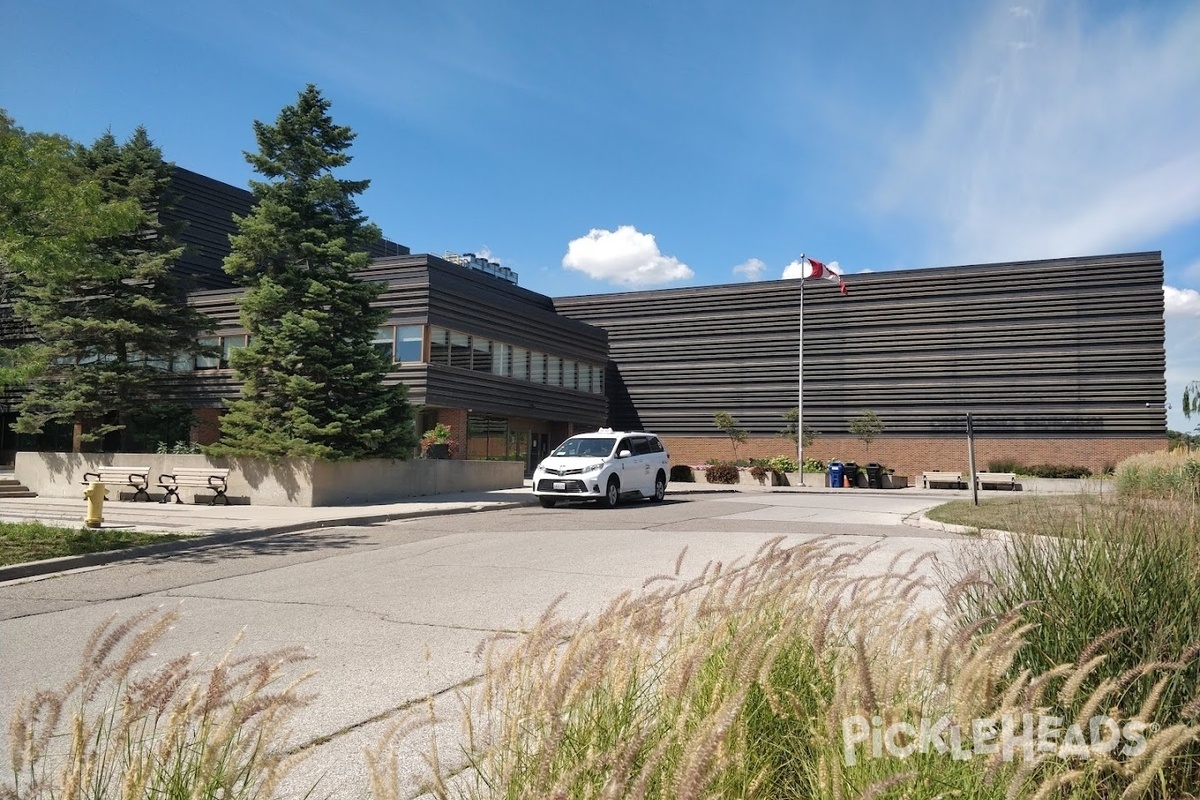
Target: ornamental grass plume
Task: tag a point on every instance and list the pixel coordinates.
(122, 731)
(740, 682)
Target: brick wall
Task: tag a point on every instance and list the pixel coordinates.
(914, 455)
(206, 428)
(456, 418)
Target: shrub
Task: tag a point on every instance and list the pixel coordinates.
(722, 473)
(784, 464)
(682, 473)
(1038, 470)
(760, 473)
(814, 465)
(1055, 471)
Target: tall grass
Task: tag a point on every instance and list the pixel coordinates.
(1123, 583)
(121, 731)
(739, 684)
(1172, 475)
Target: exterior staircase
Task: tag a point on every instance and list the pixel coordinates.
(11, 487)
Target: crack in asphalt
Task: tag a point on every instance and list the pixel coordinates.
(365, 612)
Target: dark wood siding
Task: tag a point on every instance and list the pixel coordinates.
(204, 208)
(1060, 347)
(427, 290)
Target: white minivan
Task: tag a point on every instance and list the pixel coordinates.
(607, 466)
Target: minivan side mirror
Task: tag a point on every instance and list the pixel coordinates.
(624, 454)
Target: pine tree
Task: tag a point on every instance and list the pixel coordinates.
(312, 382)
(106, 314)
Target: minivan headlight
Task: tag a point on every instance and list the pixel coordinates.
(590, 468)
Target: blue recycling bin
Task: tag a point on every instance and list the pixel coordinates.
(835, 474)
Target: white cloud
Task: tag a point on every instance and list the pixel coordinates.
(752, 269)
(1181, 302)
(1086, 140)
(796, 269)
(625, 257)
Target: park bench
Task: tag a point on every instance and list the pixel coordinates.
(216, 480)
(998, 479)
(930, 478)
(137, 478)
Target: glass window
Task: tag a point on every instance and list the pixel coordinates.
(520, 363)
(568, 374)
(439, 345)
(482, 360)
(208, 362)
(537, 367)
(410, 343)
(598, 380)
(228, 345)
(384, 343)
(460, 350)
(553, 371)
(183, 363)
(501, 353)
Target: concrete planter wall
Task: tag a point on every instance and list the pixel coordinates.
(291, 482)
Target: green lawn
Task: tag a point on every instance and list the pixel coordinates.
(1019, 513)
(32, 541)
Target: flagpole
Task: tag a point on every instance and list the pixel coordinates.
(800, 381)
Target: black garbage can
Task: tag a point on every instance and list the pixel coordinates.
(874, 476)
(850, 470)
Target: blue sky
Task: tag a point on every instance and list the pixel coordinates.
(598, 147)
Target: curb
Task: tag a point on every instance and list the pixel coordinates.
(922, 521)
(32, 569)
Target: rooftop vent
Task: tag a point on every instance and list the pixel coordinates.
(472, 261)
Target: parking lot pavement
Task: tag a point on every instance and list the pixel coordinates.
(222, 524)
(394, 612)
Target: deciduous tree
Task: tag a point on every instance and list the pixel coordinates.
(728, 424)
(867, 426)
(89, 261)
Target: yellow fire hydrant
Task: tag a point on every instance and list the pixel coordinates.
(94, 495)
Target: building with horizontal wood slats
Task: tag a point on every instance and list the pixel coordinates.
(1059, 361)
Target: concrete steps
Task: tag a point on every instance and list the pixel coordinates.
(11, 487)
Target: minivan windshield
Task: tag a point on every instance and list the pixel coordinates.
(585, 448)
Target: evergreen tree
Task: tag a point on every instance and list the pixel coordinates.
(87, 261)
(312, 382)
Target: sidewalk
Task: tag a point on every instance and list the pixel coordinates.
(209, 525)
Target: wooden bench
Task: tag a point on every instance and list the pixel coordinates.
(137, 478)
(928, 479)
(216, 480)
(999, 479)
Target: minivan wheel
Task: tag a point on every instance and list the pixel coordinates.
(547, 502)
(612, 494)
(660, 488)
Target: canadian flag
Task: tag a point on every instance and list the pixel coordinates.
(815, 269)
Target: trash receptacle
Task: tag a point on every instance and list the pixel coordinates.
(850, 469)
(874, 476)
(835, 474)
